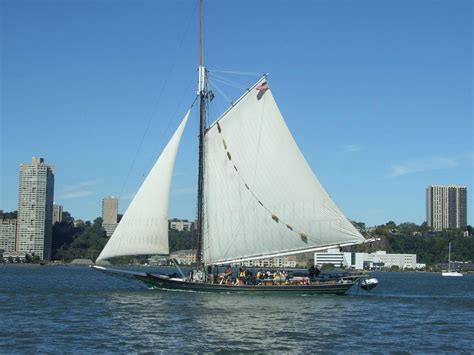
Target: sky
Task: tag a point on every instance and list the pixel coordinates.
(377, 94)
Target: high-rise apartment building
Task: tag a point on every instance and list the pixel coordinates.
(7, 235)
(57, 213)
(35, 209)
(446, 207)
(109, 214)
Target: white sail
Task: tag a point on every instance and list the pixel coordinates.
(143, 229)
(261, 197)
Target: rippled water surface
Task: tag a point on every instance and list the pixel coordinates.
(58, 309)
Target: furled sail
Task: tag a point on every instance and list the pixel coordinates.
(261, 196)
(143, 229)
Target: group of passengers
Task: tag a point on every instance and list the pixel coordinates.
(261, 277)
(249, 277)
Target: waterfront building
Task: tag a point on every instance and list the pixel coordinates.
(446, 207)
(184, 257)
(57, 213)
(14, 256)
(288, 261)
(331, 256)
(380, 260)
(35, 209)
(109, 214)
(180, 224)
(7, 235)
(377, 260)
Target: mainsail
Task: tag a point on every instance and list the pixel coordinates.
(261, 197)
(143, 229)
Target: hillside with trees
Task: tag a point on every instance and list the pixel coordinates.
(409, 238)
(84, 240)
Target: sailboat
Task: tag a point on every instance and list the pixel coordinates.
(257, 199)
(449, 272)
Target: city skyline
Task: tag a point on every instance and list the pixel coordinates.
(368, 91)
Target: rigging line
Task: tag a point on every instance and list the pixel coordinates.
(236, 72)
(160, 94)
(175, 113)
(222, 93)
(230, 82)
(273, 216)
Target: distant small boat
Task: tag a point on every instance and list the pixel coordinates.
(449, 272)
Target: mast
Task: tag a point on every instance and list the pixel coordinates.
(202, 128)
(449, 257)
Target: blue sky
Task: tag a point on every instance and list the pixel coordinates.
(378, 94)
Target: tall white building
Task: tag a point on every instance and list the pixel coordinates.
(35, 209)
(446, 207)
(109, 214)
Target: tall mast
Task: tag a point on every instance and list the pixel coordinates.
(202, 128)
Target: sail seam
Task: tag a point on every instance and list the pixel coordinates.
(304, 236)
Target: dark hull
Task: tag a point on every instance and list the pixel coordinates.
(330, 287)
(337, 286)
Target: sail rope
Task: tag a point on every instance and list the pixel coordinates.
(236, 72)
(214, 85)
(224, 80)
(304, 236)
(158, 101)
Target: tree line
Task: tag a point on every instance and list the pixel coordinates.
(86, 240)
(431, 247)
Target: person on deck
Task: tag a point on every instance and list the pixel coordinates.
(317, 272)
(311, 272)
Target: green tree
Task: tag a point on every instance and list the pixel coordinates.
(9, 215)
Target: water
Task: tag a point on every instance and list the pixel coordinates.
(58, 309)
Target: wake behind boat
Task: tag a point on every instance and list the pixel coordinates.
(257, 199)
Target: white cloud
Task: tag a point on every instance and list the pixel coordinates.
(74, 194)
(351, 148)
(81, 189)
(434, 163)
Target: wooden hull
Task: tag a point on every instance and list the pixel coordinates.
(162, 282)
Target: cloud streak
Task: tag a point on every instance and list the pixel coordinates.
(76, 194)
(81, 189)
(351, 148)
(434, 163)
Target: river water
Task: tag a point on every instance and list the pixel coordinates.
(72, 309)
